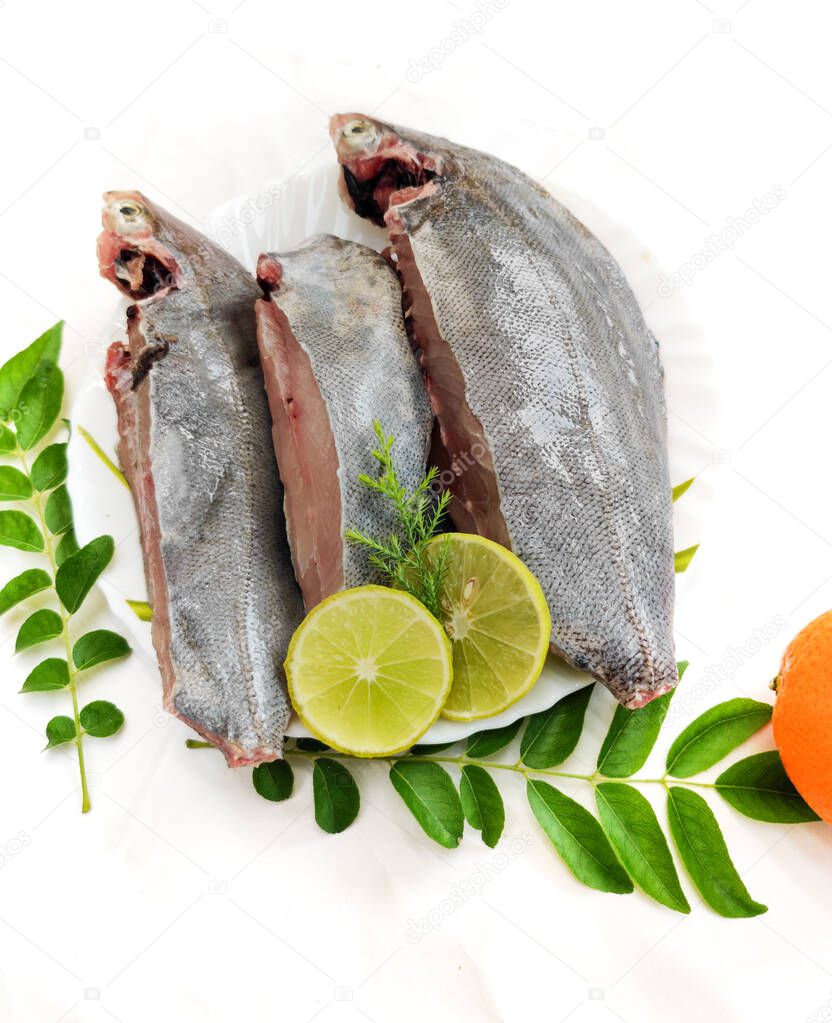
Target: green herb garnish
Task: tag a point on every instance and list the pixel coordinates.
(31, 394)
(401, 558)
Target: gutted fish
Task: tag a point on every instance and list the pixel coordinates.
(195, 445)
(336, 357)
(546, 385)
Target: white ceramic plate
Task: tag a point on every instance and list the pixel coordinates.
(281, 217)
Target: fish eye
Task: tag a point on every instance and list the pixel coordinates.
(359, 133)
(130, 210)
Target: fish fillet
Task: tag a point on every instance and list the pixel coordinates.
(195, 446)
(336, 358)
(546, 385)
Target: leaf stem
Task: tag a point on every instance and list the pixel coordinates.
(72, 686)
(517, 768)
(98, 450)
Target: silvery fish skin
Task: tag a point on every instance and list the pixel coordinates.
(336, 358)
(196, 449)
(538, 363)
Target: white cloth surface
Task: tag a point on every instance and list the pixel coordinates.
(184, 896)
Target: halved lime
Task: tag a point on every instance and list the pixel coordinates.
(368, 671)
(495, 613)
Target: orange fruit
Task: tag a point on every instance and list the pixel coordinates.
(802, 718)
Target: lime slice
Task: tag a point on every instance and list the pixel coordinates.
(495, 613)
(368, 671)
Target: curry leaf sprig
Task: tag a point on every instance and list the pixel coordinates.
(31, 395)
(619, 847)
(419, 516)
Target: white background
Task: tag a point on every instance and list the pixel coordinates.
(185, 897)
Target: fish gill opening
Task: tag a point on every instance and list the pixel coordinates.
(371, 197)
(142, 275)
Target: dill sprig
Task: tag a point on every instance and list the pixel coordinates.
(402, 558)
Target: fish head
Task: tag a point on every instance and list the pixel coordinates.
(136, 250)
(385, 166)
(147, 252)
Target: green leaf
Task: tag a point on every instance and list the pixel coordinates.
(429, 793)
(58, 513)
(101, 718)
(336, 795)
(681, 488)
(631, 737)
(33, 580)
(52, 673)
(19, 530)
(760, 788)
(311, 745)
(486, 744)
(15, 373)
(14, 485)
(77, 575)
(273, 781)
(67, 546)
(482, 803)
(59, 730)
(700, 843)
(428, 749)
(714, 734)
(578, 838)
(141, 609)
(8, 442)
(98, 646)
(39, 405)
(630, 824)
(552, 735)
(38, 628)
(50, 467)
(681, 559)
